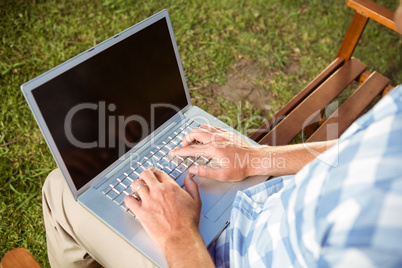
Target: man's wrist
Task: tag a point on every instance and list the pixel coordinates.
(180, 238)
(285, 160)
(186, 249)
(265, 160)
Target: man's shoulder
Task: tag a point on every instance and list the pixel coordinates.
(388, 106)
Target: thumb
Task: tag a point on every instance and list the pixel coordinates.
(192, 187)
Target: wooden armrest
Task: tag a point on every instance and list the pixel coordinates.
(19, 258)
(374, 11)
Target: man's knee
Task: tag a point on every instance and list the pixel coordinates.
(54, 182)
(52, 192)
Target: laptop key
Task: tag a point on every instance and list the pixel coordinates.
(126, 182)
(120, 198)
(107, 189)
(171, 145)
(166, 170)
(177, 160)
(164, 161)
(146, 165)
(177, 140)
(202, 160)
(114, 182)
(181, 168)
(179, 145)
(128, 171)
(193, 124)
(159, 165)
(119, 188)
(171, 166)
(159, 154)
(149, 155)
(164, 150)
(139, 170)
(180, 180)
(135, 173)
(174, 174)
(152, 161)
(188, 161)
(132, 177)
(112, 195)
(128, 191)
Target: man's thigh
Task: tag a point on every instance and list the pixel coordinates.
(73, 232)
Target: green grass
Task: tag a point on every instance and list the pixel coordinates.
(212, 36)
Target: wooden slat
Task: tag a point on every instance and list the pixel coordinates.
(352, 36)
(374, 11)
(388, 89)
(363, 77)
(322, 96)
(366, 74)
(351, 109)
(265, 128)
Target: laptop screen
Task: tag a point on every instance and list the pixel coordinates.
(102, 107)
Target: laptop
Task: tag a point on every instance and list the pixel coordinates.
(118, 108)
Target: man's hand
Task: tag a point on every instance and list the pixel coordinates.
(170, 215)
(234, 159)
(230, 154)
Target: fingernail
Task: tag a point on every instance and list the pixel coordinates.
(172, 153)
(152, 169)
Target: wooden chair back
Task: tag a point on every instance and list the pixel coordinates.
(305, 112)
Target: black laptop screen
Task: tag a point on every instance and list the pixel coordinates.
(99, 109)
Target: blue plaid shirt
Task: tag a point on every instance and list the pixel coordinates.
(344, 209)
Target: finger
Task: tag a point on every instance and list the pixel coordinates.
(149, 177)
(136, 183)
(138, 190)
(161, 175)
(220, 129)
(208, 127)
(133, 205)
(213, 129)
(192, 188)
(196, 135)
(195, 150)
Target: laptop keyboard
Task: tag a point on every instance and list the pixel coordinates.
(157, 156)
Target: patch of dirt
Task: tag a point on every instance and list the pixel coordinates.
(242, 85)
(294, 66)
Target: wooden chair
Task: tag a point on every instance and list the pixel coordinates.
(19, 258)
(306, 108)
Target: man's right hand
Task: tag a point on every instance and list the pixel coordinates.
(230, 154)
(234, 159)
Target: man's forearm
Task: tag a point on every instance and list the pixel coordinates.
(289, 159)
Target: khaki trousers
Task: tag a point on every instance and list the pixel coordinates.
(76, 238)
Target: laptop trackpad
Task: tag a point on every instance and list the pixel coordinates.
(216, 196)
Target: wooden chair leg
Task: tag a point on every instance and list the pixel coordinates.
(19, 258)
